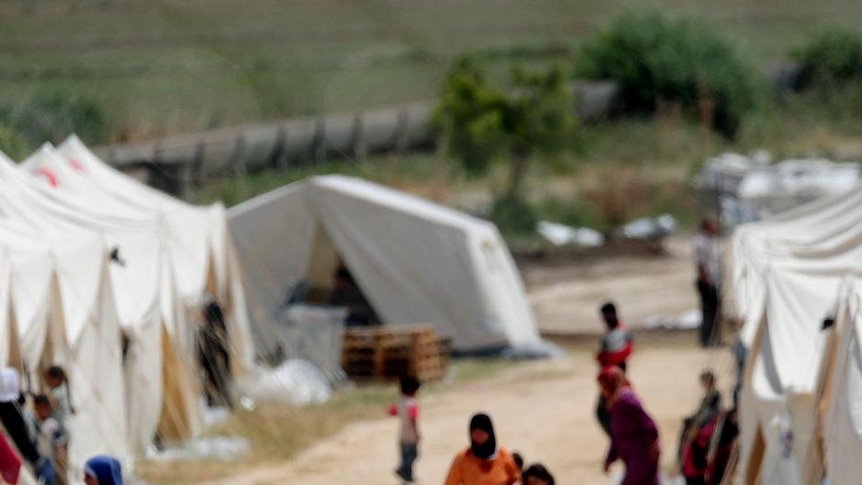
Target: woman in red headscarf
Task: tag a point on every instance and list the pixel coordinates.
(634, 435)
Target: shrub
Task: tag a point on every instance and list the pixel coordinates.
(514, 216)
(52, 116)
(14, 144)
(830, 56)
(655, 59)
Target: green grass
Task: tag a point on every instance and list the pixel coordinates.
(165, 66)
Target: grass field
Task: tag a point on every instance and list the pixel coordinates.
(176, 66)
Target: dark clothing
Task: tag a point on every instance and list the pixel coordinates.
(603, 415)
(16, 427)
(633, 432)
(709, 329)
(727, 434)
(215, 356)
(409, 453)
(487, 449)
(739, 355)
(709, 407)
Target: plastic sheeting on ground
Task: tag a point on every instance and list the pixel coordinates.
(223, 448)
(563, 235)
(684, 321)
(295, 382)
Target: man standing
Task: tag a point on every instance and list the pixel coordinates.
(708, 261)
(615, 348)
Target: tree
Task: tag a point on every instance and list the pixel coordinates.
(482, 124)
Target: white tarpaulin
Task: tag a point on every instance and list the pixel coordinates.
(415, 261)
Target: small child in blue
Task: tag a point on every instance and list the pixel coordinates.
(407, 410)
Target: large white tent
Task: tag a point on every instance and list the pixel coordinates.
(787, 276)
(840, 409)
(416, 262)
(64, 298)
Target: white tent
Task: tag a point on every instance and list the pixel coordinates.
(841, 406)
(415, 261)
(196, 239)
(61, 301)
(787, 273)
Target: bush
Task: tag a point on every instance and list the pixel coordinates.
(52, 116)
(14, 144)
(655, 59)
(514, 217)
(829, 57)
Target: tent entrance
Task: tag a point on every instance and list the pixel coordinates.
(330, 282)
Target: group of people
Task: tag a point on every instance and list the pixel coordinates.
(36, 433)
(483, 462)
(633, 433)
(706, 437)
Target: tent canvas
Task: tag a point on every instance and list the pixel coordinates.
(787, 272)
(416, 262)
(68, 308)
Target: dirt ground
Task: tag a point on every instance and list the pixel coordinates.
(544, 409)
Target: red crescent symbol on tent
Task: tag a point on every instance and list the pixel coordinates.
(76, 165)
(48, 174)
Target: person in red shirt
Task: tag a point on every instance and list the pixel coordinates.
(614, 350)
(407, 410)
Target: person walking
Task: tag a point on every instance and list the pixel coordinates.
(615, 348)
(708, 262)
(634, 434)
(407, 410)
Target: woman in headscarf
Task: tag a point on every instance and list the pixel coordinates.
(634, 435)
(483, 462)
(103, 470)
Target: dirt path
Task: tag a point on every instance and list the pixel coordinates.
(542, 409)
(565, 297)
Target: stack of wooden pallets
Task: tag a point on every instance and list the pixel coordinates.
(391, 352)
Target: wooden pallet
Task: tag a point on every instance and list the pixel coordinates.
(392, 352)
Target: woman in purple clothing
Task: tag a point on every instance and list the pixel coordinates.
(634, 435)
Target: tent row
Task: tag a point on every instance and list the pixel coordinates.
(107, 277)
(793, 276)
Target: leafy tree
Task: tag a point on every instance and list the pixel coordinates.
(482, 124)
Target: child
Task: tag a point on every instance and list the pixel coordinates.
(519, 460)
(694, 438)
(407, 411)
(55, 378)
(60, 394)
(48, 434)
(537, 474)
